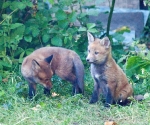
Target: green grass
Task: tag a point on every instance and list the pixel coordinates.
(16, 109)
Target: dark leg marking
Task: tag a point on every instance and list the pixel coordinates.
(109, 99)
(96, 92)
(46, 91)
(94, 97)
(31, 90)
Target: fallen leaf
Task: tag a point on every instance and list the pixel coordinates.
(110, 123)
(36, 108)
(54, 94)
(5, 80)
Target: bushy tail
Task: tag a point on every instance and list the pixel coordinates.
(125, 93)
(79, 72)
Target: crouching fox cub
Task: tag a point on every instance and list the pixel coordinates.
(109, 79)
(40, 66)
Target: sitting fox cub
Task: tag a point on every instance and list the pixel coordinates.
(40, 66)
(109, 79)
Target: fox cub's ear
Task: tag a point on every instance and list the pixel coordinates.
(35, 65)
(90, 37)
(105, 42)
(49, 59)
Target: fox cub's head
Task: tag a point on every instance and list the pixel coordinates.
(42, 71)
(98, 49)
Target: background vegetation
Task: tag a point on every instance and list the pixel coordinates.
(26, 25)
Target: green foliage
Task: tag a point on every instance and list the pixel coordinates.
(135, 64)
(145, 37)
(117, 45)
(147, 2)
(138, 69)
(138, 64)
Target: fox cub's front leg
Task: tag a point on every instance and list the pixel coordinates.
(101, 87)
(32, 90)
(106, 93)
(108, 96)
(96, 92)
(46, 91)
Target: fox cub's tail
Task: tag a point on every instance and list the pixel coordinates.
(79, 72)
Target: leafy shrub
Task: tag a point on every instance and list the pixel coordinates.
(138, 70)
(138, 65)
(145, 37)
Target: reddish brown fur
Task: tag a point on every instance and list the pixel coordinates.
(107, 75)
(64, 63)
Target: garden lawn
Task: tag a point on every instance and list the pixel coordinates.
(64, 109)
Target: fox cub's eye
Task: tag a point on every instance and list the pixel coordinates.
(96, 53)
(46, 79)
(40, 79)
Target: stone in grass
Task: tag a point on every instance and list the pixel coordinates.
(139, 97)
(133, 20)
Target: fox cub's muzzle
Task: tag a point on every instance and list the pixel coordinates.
(90, 60)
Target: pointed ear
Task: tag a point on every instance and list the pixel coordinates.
(35, 65)
(105, 42)
(49, 59)
(90, 37)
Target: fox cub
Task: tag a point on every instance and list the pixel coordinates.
(43, 63)
(109, 79)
